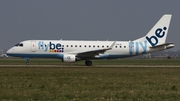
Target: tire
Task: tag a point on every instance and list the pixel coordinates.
(27, 63)
(88, 63)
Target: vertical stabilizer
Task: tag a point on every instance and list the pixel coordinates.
(157, 35)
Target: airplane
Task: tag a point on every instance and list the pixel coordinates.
(72, 51)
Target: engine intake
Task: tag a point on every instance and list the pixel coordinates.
(69, 58)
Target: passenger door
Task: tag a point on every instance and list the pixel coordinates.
(33, 46)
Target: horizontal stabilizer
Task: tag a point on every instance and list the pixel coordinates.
(165, 45)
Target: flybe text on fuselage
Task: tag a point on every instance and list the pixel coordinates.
(52, 47)
(137, 47)
(159, 33)
(141, 46)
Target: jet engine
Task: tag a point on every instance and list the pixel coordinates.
(69, 58)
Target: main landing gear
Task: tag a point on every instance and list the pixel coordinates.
(88, 63)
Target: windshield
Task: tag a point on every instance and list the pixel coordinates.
(19, 44)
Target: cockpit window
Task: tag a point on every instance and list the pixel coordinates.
(19, 44)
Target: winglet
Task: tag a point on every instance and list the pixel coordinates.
(112, 45)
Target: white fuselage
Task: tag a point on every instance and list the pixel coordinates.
(56, 48)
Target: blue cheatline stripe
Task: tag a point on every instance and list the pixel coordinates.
(114, 56)
(60, 56)
(118, 56)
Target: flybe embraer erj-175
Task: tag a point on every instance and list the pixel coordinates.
(72, 51)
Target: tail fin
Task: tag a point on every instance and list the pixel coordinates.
(157, 35)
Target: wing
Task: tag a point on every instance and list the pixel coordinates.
(93, 53)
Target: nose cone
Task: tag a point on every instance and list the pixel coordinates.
(9, 52)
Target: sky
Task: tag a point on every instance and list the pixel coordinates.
(120, 20)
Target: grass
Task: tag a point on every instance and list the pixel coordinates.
(90, 83)
(21, 61)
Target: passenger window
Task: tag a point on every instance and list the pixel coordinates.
(124, 46)
(66, 45)
(71, 45)
(85, 46)
(103, 46)
(120, 46)
(75, 45)
(89, 45)
(79, 45)
(93, 46)
(98, 46)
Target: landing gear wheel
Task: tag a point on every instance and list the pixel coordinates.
(27, 63)
(27, 60)
(88, 63)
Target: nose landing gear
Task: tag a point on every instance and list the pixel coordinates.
(27, 61)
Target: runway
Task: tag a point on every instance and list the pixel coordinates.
(98, 66)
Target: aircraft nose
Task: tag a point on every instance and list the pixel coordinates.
(9, 51)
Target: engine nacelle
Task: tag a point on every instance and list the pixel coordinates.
(69, 58)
